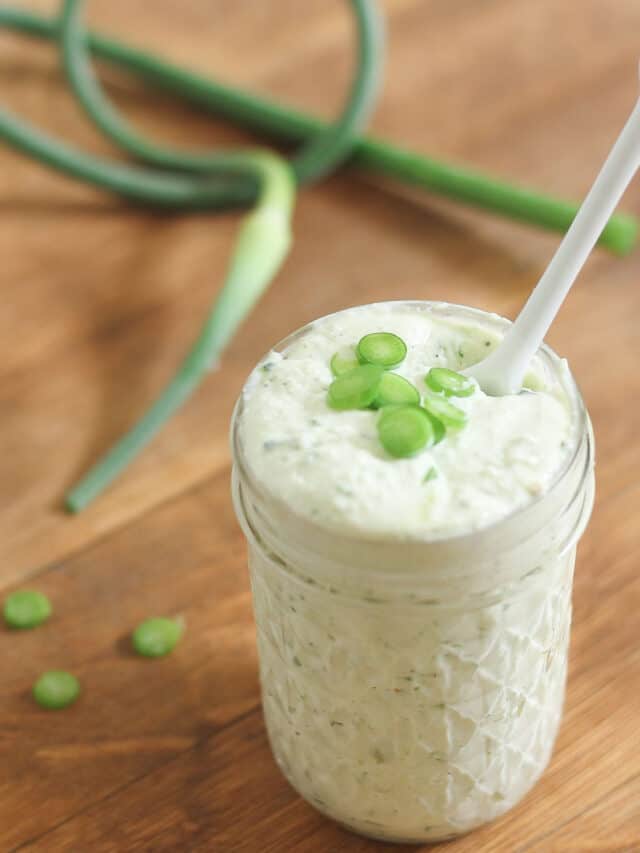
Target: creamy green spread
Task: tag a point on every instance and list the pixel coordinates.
(329, 466)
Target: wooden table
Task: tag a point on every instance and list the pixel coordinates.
(99, 301)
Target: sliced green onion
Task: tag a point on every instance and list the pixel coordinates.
(356, 389)
(343, 361)
(395, 390)
(156, 637)
(26, 608)
(439, 428)
(383, 348)
(444, 411)
(56, 689)
(292, 126)
(452, 383)
(405, 430)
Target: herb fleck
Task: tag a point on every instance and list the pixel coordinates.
(281, 443)
(431, 474)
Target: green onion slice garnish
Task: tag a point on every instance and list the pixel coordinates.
(156, 637)
(405, 430)
(395, 390)
(444, 411)
(355, 389)
(453, 384)
(439, 428)
(56, 689)
(343, 361)
(26, 608)
(382, 348)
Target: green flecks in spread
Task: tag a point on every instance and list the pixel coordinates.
(431, 474)
(344, 490)
(281, 444)
(378, 757)
(296, 660)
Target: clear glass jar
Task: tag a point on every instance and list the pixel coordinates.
(412, 690)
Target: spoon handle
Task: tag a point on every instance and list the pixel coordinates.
(527, 333)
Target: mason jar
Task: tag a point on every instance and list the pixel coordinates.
(412, 690)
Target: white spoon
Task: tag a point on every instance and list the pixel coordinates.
(503, 371)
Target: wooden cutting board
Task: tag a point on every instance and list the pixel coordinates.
(99, 302)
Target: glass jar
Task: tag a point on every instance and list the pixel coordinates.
(412, 690)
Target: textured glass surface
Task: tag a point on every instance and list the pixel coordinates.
(414, 721)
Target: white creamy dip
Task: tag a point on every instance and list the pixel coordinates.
(330, 467)
(412, 631)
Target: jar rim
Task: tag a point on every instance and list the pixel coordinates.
(546, 354)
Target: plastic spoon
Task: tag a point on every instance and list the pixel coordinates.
(503, 371)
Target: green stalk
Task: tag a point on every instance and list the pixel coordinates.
(372, 155)
(261, 246)
(264, 237)
(138, 184)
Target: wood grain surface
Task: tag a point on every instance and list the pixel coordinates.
(99, 301)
